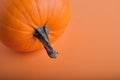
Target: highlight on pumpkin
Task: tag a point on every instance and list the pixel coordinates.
(29, 25)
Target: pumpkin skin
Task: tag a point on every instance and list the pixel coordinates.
(20, 18)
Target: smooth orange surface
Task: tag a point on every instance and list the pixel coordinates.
(90, 47)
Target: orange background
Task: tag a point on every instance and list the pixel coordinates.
(90, 47)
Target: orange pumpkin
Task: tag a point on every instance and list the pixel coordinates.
(28, 25)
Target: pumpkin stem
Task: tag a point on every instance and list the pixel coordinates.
(42, 35)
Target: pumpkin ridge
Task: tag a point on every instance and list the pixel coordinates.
(60, 12)
(50, 14)
(33, 44)
(38, 11)
(10, 27)
(28, 12)
(24, 46)
(11, 15)
(42, 12)
(25, 17)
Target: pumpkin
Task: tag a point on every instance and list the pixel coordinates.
(29, 25)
